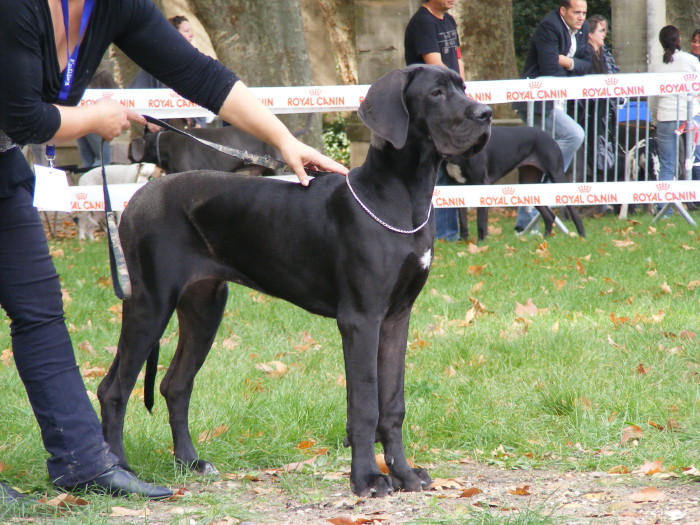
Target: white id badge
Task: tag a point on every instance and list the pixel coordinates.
(51, 191)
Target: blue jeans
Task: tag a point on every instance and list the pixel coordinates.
(568, 134)
(446, 219)
(30, 294)
(667, 141)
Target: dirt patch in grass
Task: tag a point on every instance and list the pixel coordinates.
(474, 493)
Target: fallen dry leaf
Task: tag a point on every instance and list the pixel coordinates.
(619, 469)
(213, 433)
(522, 490)
(299, 465)
(273, 368)
(96, 371)
(308, 343)
(383, 468)
(63, 501)
(649, 468)
(529, 309)
(630, 433)
(476, 269)
(648, 494)
(624, 243)
(642, 370)
(470, 492)
(445, 484)
(665, 288)
(6, 357)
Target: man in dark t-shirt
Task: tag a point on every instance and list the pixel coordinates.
(431, 38)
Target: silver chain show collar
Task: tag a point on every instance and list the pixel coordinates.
(387, 226)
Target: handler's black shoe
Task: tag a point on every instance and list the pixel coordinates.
(119, 482)
(9, 495)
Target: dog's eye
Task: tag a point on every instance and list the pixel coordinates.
(437, 92)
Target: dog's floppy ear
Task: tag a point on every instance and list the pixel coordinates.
(137, 149)
(384, 110)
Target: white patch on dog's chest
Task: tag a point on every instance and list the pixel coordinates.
(426, 260)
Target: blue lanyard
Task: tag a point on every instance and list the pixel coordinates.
(69, 72)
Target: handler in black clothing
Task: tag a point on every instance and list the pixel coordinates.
(50, 50)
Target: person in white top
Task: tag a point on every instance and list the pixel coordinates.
(671, 111)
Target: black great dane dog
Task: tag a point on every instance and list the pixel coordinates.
(537, 157)
(357, 249)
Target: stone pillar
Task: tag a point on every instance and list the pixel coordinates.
(635, 33)
(379, 26)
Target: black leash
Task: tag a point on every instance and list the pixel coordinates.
(246, 157)
(117, 263)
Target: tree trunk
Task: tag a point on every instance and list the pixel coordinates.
(338, 16)
(486, 36)
(263, 42)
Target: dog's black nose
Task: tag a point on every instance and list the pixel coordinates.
(481, 113)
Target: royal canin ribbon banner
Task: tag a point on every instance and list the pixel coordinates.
(90, 198)
(165, 103)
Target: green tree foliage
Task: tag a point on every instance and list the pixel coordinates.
(527, 14)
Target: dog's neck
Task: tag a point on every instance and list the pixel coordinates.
(404, 177)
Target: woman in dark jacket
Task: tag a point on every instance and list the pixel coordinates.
(50, 51)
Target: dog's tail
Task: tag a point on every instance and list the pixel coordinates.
(149, 381)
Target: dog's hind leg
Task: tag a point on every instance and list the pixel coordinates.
(199, 310)
(548, 218)
(142, 325)
(390, 369)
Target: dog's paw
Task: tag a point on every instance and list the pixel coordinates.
(201, 467)
(373, 486)
(415, 480)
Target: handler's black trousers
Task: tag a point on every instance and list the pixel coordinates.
(30, 294)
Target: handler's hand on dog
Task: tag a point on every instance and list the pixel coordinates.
(299, 156)
(112, 118)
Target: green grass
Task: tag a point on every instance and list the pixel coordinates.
(615, 343)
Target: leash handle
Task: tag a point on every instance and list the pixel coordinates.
(246, 157)
(117, 262)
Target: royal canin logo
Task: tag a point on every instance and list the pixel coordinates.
(690, 77)
(173, 94)
(663, 186)
(584, 188)
(508, 190)
(315, 92)
(535, 84)
(108, 94)
(611, 81)
(81, 196)
(436, 193)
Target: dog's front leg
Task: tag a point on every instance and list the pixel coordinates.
(392, 409)
(360, 343)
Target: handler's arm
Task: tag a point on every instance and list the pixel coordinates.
(434, 59)
(243, 110)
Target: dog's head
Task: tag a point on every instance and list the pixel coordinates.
(425, 101)
(148, 171)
